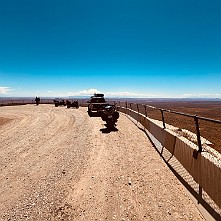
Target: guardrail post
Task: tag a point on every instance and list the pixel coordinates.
(145, 107)
(130, 106)
(198, 133)
(164, 126)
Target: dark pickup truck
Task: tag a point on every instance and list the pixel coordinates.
(96, 104)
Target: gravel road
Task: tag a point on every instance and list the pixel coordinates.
(56, 164)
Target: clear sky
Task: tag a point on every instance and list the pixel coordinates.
(142, 48)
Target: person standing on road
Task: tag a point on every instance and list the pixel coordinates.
(37, 100)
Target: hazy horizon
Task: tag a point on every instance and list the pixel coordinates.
(117, 98)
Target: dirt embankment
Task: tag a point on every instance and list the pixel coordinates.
(56, 164)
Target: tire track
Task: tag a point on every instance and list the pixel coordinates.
(62, 167)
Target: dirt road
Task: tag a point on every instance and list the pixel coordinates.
(56, 164)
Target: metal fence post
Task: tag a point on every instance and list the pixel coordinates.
(198, 133)
(145, 107)
(130, 106)
(138, 108)
(164, 126)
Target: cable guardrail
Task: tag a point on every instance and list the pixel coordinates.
(193, 127)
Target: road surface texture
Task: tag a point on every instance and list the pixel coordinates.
(58, 164)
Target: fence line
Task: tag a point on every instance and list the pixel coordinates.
(143, 109)
(200, 174)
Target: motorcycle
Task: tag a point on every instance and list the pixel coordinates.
(110, 115)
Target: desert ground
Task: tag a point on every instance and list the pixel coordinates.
(57, 164)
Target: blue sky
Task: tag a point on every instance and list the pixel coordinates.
(142, 48)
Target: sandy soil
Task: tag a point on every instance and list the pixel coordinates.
(56, 164)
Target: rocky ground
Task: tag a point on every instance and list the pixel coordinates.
(59, 164)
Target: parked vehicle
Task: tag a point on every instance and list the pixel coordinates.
(72, 104)
(96, 104)
(59, 102)
(110, 115)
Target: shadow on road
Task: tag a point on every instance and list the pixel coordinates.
(108, 130)
(184, 177)
(94, 114)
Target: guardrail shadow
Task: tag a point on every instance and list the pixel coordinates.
(204, 203)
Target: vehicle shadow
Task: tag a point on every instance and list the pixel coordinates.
(94, 114)
(108, 130)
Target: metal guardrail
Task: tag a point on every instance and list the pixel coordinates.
(204, 186)
(143, 108)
